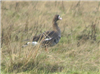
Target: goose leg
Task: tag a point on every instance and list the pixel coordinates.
(46, 49)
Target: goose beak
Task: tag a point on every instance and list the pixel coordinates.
(60, 18)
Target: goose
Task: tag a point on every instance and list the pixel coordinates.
(49, 38)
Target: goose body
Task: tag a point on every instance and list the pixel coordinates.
(49, 38)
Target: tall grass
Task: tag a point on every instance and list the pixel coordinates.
(78, 50)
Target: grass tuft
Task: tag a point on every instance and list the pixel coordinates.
(78, 51)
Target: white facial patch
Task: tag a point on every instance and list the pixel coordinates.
(59, 18)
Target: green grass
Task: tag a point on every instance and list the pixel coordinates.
(78, 51)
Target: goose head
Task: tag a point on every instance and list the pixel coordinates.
(56, 18)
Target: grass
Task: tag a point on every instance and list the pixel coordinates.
(78, 50)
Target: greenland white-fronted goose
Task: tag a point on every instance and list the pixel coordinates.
(49, 38)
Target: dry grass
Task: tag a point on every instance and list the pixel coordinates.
(78, 51)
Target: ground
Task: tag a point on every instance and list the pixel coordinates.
(78, 51)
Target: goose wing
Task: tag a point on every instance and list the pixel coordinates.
(52, 39)
(46, 35)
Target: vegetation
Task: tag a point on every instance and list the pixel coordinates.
(78, 51)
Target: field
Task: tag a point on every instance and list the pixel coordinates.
(78, 51)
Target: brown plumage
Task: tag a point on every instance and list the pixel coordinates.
(49, 38)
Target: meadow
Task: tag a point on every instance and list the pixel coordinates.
(78, 51)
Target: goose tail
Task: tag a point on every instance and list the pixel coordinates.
(30, 43)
